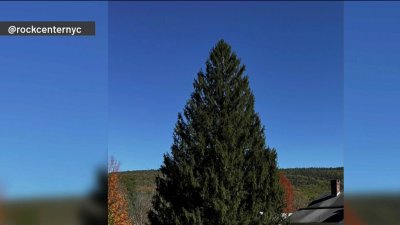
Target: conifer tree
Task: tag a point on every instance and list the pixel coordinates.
(220, 170)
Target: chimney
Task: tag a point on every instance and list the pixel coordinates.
(335, 187)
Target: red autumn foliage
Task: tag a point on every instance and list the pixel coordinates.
(289, 192)
(117, 203)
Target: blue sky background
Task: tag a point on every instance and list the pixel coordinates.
(372, 91)
(53, 101)
(57, 104)
(293, 53)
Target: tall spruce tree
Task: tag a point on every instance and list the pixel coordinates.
(220, 170)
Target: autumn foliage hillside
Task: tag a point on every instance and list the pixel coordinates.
(307, 183)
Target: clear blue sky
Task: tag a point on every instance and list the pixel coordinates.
(57, 103)
(53, 101)
(372, 92)
(294, 56)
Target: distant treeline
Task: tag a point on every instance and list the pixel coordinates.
(301, 177)
(312, 183)
(308, 183)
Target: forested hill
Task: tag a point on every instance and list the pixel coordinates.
(311, 183)
(308, 183)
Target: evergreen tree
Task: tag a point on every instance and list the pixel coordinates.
(220, 170)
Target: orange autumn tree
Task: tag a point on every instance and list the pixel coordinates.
(117, 204)
(289, 193)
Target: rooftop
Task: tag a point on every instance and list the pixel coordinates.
(326, 210)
